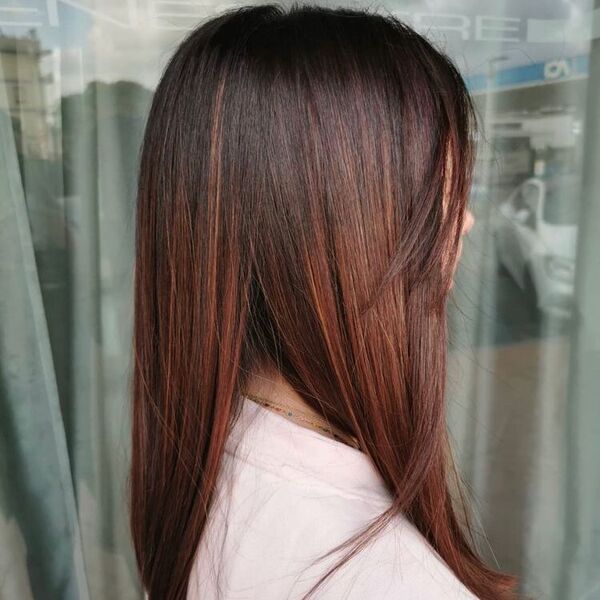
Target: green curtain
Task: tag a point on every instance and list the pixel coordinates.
(66, 243)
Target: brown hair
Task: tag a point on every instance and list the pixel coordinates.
(290, 212)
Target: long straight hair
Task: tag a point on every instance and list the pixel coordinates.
(303, 183)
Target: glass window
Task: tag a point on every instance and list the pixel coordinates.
(561, 201)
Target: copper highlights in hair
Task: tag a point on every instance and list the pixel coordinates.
(290, 213)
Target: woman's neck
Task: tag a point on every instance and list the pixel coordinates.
(270, 389)
(271, 386)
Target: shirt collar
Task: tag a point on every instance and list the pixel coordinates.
(292, 451)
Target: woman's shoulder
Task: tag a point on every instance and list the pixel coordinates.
(301, 518)
(400, 563)
(286, 497)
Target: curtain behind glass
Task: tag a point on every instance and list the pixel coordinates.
(65, 316)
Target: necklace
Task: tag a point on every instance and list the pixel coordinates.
(302, 417)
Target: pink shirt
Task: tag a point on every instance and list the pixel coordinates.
(288, 495)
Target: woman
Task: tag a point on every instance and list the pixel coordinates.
(302, 194)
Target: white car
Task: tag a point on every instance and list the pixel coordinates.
(536, 240)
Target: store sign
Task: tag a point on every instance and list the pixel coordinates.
(184, 14)
(557, 69)
(574, 67)
(482, 28)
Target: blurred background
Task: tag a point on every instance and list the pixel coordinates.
(76, 80)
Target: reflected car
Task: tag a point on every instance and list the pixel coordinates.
(536, 240)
